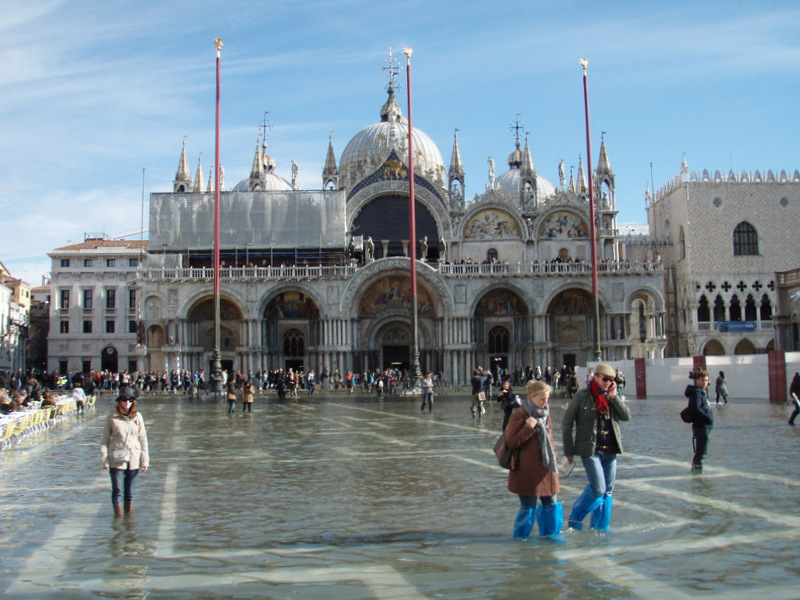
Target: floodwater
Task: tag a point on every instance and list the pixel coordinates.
(355, 497)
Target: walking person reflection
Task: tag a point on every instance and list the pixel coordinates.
(702, 417)
(123, 449)
(427, 390)
(531, 430)
(594, 414)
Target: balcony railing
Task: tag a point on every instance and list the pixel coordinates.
(299, 273)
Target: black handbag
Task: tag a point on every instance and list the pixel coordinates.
(506, 457)
(686, 415)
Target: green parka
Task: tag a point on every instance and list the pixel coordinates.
(580, 416)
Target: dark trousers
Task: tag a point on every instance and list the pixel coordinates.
(701, 435)
(794, 415)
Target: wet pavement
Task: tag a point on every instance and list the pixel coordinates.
(355, 497)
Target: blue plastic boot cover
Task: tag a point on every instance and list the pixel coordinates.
(550, 518)
(585, 504)
(601, 516)
(524, 522)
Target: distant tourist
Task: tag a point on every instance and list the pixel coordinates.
(721, 387)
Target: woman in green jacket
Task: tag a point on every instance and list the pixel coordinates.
(594, 415)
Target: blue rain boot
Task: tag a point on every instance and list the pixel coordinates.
(585, 504)
(550, 518)
(601, 516)
(524, 522)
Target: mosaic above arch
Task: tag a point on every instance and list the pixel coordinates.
(291, 305)
(392, 292)
(491, 224)
(498, 303)
(563, 224)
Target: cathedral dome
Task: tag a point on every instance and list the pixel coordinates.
(269, 183)
(372, 145)
(507, 185)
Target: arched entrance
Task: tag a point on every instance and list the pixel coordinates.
(394, 345)
(571, 322)
(109, 359)
(499, 318)
(201, 318)
(291, 331)
(384, 322)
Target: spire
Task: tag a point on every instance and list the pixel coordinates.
(257, 170)
(527, 159)
(456, 166)
(571, 186)
(329, 172)
(582, 187)
(183, 180)
(198, 177)
(210, 186)
(603, 164)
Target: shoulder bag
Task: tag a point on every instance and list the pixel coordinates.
(506, 457)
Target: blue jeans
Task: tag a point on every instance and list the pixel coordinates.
(601, 469)
(122, 484)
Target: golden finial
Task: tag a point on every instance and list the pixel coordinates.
(218, 44)
(407, 51)
(584, 63)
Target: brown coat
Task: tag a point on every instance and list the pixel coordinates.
(532, 478)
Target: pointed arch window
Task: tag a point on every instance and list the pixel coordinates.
(719, 309)
(294, 343)
(682, 242)
(736, 309)
(703, 310)
(745, 240)
(750, 311)
(766, 308)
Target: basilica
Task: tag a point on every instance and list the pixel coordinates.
(321, 278)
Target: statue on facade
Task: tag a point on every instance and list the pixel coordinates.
(562, 179)
(369, 249)
(423, 248)
(442, 250)
(490, 160)
(295, 172)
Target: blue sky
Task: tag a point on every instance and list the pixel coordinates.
(92, 93)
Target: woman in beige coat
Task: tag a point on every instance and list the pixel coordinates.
(123, 448)
(530, 430)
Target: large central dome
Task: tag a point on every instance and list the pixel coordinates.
(371, 146)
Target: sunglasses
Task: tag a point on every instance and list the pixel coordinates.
(125, 400)
(606, 378)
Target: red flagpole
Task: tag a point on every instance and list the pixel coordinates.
(412, 226)
(593, 226)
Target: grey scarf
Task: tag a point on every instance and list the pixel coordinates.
(543, 433)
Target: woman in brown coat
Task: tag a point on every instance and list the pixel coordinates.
(531, 431)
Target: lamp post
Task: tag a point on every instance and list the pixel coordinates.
(216, 357)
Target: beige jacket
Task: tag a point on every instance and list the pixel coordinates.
(116, 430)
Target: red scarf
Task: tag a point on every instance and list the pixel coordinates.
(600, 403)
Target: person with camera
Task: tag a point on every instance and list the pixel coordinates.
(123, 449)
(702, 417)
(594, 414)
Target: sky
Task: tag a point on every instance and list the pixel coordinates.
(97, 98)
